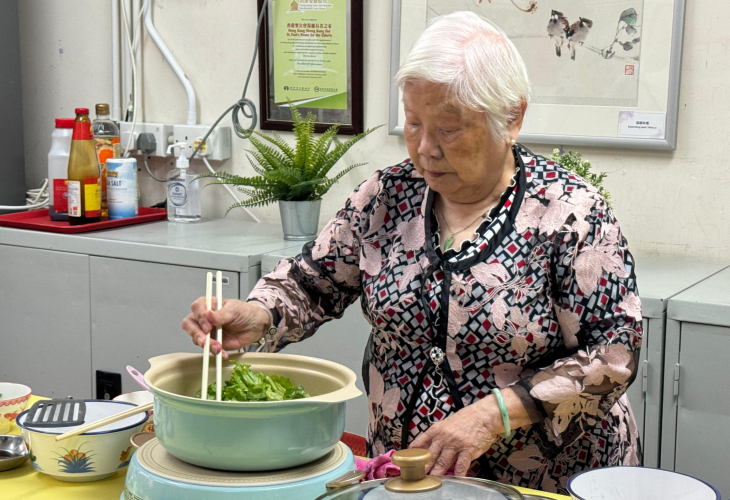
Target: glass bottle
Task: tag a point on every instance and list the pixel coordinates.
(84, 184)
(106, 140)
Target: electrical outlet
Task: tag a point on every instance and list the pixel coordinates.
(163, 135)
(108, 384)
(218, 144)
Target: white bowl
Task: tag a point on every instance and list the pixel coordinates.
(13, 400)
(638, 483)
(139, 398)
(90, 456)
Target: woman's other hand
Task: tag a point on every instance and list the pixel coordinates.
(243, 324)
(462, 437)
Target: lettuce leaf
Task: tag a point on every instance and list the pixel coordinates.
(245, 385)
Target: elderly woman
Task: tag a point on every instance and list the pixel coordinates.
(481, 267)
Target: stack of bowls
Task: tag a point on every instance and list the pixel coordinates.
(13, 400)
(638, 483)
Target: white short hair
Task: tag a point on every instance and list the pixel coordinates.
(478, 64)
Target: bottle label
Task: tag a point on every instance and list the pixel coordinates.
(177, 194)
(107, 147)
(92, 197)
(60, 195)
(82, 131)
(74, 199)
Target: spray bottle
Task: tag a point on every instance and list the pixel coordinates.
(183, 191)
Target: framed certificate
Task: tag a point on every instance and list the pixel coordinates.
(601, 73)
(310, 54)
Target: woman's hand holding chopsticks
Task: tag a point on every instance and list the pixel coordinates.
(243, 324)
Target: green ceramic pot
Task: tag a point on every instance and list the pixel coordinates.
(249, 436)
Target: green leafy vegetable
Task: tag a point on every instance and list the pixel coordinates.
(245, 385)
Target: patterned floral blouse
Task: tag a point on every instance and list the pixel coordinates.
(544, 299)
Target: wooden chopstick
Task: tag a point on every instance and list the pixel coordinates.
(105, 421)
(206, 348)
(219, 337)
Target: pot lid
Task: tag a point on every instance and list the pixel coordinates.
(153, 457)
(96, 409)
(414, 484)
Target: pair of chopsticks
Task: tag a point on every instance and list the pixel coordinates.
(104, 421)
(206, 355)
(218, 336)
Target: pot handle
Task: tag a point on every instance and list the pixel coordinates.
(346, 393)
(169, 357)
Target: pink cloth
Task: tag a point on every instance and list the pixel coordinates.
(379, 467)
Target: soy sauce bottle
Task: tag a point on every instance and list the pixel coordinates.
(84, 183)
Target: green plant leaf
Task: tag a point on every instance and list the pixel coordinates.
(258, 201)
(629, 16)
(279, 142)
(303, 190)
(235, 180)
(303, 131)
(319, 151)
(248, 192)
(324, 187)
(270, 156)
(574, 162)
(340, 149)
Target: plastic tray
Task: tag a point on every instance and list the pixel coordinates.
(38, 220)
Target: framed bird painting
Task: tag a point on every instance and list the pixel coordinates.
(601, 73)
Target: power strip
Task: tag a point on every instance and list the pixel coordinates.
(163, 135)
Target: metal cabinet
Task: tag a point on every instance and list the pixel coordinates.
(44, 321)
(342, 340)
(659, 279)
(696, 409)
(131, 287)
(137, 308)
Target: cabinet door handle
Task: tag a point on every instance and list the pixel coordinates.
(645, 376)
(676, 380)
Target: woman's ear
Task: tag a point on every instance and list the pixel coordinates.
(515, 124)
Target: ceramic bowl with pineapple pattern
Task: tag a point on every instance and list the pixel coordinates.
(90, 456)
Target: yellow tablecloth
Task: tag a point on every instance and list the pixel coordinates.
(28, 484)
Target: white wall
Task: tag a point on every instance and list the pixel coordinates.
(667, 202)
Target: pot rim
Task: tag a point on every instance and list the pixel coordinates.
(90, 433)
(349, 391)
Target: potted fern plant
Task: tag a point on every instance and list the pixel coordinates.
(296, 177)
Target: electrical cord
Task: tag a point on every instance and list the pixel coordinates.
(144, 158)
(133, 102)
(243, 105)
(34, 198)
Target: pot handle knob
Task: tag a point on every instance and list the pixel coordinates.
(413, 478)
